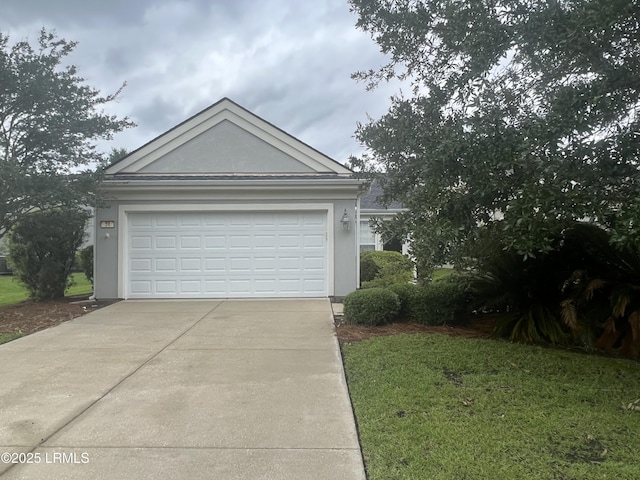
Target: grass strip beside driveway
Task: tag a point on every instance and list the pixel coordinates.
(11, 291)
(439, 407)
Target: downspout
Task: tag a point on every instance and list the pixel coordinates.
(358, 242)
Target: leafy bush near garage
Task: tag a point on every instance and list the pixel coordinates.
(372, 306)
(407, 293)
(42, 248)
(388, 281)
(384, 268)
(440, 303)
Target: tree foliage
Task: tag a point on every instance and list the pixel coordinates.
(50, 121)
(42, 249)
(524, 114)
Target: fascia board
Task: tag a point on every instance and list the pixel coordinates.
(231, 184)
(382, 212)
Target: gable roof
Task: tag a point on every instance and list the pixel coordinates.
(226, 139)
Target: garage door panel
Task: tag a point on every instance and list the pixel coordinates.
(140, 221)
(265, 287)
(317, 264)
(212, 242)
(190, 220)
(239, 286)
(239, 242)
(215, 287)
(140, 265)
(239, 264)
(190, 242)
(215, 264)
(290, 264)
(141, 242)
(288, 219)
(313, 285)
(141, 287)
(166, 220)
(313, 241)
(288, 241)
(166, 265)
(265, 264)
(311, 220)
(227, 254)
(264, 242)
(166, 286)
(191, 264)
(164, 242)
(190, 287)
(265, 220)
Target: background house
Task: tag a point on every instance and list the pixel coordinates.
(371, 207)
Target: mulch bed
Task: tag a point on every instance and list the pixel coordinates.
(29, 317)
(481, 327)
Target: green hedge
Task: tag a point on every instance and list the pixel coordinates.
(373, 306)
(438, 303)
(383, 268)
(407, 293)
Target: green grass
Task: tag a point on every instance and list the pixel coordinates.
(7, 337)
(12, 292)
(80, 286)
(439, 407)
(441, 273)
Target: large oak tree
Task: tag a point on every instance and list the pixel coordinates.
(523, 117)
(50, 121)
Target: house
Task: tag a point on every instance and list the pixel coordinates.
(372, 208)
(226, 205)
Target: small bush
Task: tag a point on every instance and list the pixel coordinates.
(438, 304)
(42, 249)
(373, 306)
(407, 293)
(86, 262)
(379, 264)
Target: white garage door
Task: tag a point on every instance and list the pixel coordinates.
(227, 254)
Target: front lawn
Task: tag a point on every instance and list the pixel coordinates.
(437, 407)
(12, 292)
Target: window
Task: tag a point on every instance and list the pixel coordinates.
(367, 237)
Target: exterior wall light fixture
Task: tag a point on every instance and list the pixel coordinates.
(345, 221)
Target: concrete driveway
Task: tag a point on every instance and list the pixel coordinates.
(234, 389)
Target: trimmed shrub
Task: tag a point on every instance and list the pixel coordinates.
(42, 249)
(373, 306)
(407, 293)
(86, 262)
(380, 264)
(387, 281)
(438, 303)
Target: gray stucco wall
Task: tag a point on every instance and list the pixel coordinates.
(345, 243)
(226, 148)
(105, 276)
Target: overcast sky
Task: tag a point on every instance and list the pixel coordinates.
(288, 61)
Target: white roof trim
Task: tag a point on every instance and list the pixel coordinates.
(203, 121)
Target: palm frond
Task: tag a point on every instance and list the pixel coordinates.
(619, 300)
(569, 315)
(592, 286)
